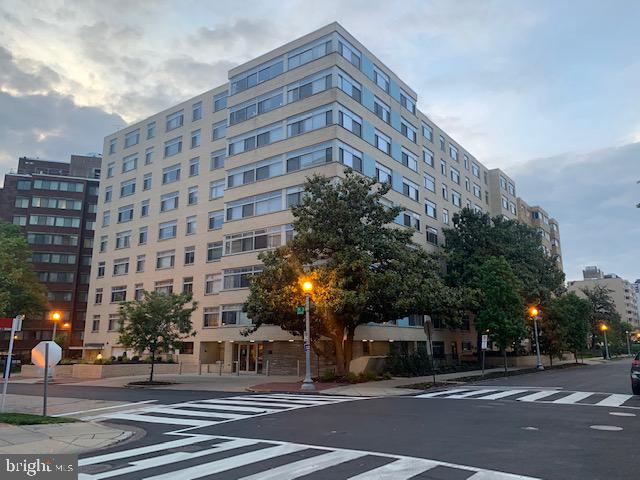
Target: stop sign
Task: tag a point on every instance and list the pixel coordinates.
(38, 354)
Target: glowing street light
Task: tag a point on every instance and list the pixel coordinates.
(603, 328)
(307, 384)
(535, 314)
(55, 317)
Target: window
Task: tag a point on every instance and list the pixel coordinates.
(217, 159)
(23, 185)
(257, 75)
(233, 315)
(114, 319)
(112, 146)
(165, 259)
(309, 53)
(132, 138)
(175, 120)
(143, 235)
(294, 196)
(477, 191)
(211, 317)
(120, 266)
(456, 198)
(254, 172)
(140, 262)
(20, 220)
(258, 205)
(55, 277)
(349, 53)
(382, 142)
(151, 130)
(53, 221)
(409, 160)
(383, 174)
(196, 111)
(216, 189)
(169, 201)
(218, 130)
(409, 219)
(257, 138)
(442, 143)
(427, 132)
(164, 286)
(171, 174)
(503, 183)
(475, 170)
(512, 208)
(189, 255)
(308, 86)
(408, 130)
(350, 121)
(130, 163)
(21, 202)
(138, 291)
(381, 110)
(381, 79)
(350, 157)
(192, 195)
(108, 194)
(220, 101)
(51, 239)
(55, 185)
(427, 156)
(430, 209)
(146, 181)
(192, 225)
(216, 219)
(309, 121)
(239, 277)
(212, 283)
(445, 192)
(429, 183)
(128, 187)
(187, 285)
(467, 184)
(168, 230)
(511, 189)
(432, 236)
(316, 155)
(466, 161)
(195, 139)
(349, 86)
(453, 152)
(255, 106)
(443, 168)
(505, 202)
(455, 175)
(214, 251)
(125, 214)
(123, 239)
(445, 216)
(194, 166)
(144, 208)
(407, 102)
(410, 189)
(261, 239)
(118, 294)
(172, 147)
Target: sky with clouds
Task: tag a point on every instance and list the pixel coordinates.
(547, 90)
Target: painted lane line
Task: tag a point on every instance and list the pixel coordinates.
(614, 400)
(493, 475)
(401, 469)
(537, 396)
(622, 414)
(472, 392)
(606, 428)
(196, 413)
(228, 463)
(505, 393)
(441, 392)
(300, 468)
(573, 398)
(104, 408)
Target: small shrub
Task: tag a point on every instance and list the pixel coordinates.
(367, 377)
(98, 361)
(351, 377)
(387, 376)
(119, 358)
(135, 358)
(328, 376)
(66, 361)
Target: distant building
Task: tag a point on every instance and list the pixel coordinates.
(623, 292)
(536, 217)
(54, 204)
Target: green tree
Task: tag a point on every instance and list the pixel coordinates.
(20, 290)
(158, 323)
(502, 311)
(603, 310)
(363, 269)
(567, 319)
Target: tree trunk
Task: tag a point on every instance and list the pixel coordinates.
(153, 359)
(348, 350)
(504, 355)
(551, 360)
(575, 355)
(337, 342)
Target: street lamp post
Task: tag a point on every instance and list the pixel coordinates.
(55, 316)
(535, 314)
(307, 384)
(628, 343)
(604, 329)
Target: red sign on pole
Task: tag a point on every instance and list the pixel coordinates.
(6, 322)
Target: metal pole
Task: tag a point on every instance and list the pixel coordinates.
(433, 367)
(628, 344)
(483, 362)
(53, 335)
(46, 378)
(539, 365)
(7, 366)
(307, 384)
(606, 346)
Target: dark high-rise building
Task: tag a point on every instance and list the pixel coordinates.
(54, 204)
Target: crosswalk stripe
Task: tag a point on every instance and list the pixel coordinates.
(441, 392)
(400, 469)
(537, 396)
(228, 463)
(306, 466)
(253, 402)
(314, 397)
(174, 457)
(294, 401)
(196, 413)
(152, 419)
(472, 392)
(230, 408)
(573, 398)
(504, 393)
(614, 400)
(492, 475)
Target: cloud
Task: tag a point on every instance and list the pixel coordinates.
(593, 197)
(25, 76)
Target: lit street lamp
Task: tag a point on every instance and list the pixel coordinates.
(55, 317)
(307, 384)
(628, 343)
(604, 327)
(535, 314)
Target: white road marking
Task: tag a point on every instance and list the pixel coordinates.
(614, 400)
(231, 408)
(622, 414)
(441, 392)
(134, 417)
(573, 398)
(537, 396)
(399, 470)
(196, 413)
(104, 408)
(505, 393)
(606, 428)
(472, 392)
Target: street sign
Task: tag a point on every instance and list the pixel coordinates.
(16, 325)
(38, 354)
(299, 310)
(306, 347)
(8, 323)
(485, 339)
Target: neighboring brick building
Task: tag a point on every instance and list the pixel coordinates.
(54, 204)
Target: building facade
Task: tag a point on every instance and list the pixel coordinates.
(54, 204)
(622, 292)
(536, 217)
(192, 194)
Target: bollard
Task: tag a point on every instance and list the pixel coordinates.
(219, 368)
(267, 368)
(208, 368)
(237, 366)
(199, 369)
(298, 368)
(180, 368)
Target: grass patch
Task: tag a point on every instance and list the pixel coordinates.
(29, 419)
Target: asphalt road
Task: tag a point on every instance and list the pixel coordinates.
(539, 439)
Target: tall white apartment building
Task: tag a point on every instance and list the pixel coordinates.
(192, 194)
